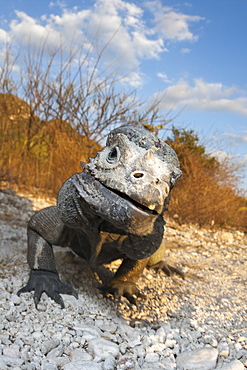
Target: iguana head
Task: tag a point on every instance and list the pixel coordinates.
(138, 167)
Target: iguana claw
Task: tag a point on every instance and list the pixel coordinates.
(168, 269)
(120, 289)
(47, 281)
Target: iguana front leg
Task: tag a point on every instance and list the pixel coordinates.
(44, 230)
(124, 281)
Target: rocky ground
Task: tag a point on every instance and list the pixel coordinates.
(196, 323)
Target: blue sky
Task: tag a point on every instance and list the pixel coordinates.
(192, 53)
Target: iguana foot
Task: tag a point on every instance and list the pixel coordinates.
(46, 281)
(120, 289)
(168, 270)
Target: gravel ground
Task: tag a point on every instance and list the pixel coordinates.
(196, 323)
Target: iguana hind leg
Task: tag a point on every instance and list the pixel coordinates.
(157, 262)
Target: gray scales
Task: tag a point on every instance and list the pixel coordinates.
(112, 210)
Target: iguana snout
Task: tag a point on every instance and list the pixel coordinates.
(148, 190)
(148, 181)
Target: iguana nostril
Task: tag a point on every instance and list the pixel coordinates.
(138, 175)
(167, 189)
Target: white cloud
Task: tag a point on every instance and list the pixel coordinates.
(163, 77)
(29, 31)
(175, 26)
(171, 24)
(204, 96)
(119, 24)
(133, 79)
(237, 139)
(4, 37)
(131, 39)
(221, 155)
(185, 50)
(60, 4)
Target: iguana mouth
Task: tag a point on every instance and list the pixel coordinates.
(135, 203)
(132, 201)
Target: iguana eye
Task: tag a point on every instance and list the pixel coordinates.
(113, 155)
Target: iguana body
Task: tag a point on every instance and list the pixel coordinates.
(113, 209)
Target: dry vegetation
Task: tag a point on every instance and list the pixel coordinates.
(53, 116)
(208, 192)
(37, 154)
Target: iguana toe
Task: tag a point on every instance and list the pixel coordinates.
(168, 269)
(48, 282)
(120, 289)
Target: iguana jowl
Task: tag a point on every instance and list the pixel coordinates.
(113, 209)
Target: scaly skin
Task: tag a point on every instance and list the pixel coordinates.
(113, 209)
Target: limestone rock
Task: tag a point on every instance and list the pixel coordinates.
(103, 348)
(233, 365)
(203, 359)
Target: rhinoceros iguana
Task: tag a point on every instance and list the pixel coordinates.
(112, 210)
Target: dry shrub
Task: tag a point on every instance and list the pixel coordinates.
(37, 154)
(207, 194)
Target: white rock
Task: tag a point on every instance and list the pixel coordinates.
(169, 362)
(80, 354)
(124, 329)
(146, 342)
(211, 340)
(152, 357)
(133, 342)
(11, 361)
(89, 331)
(55, 352)
(223, 349)
(15, 299)
(155, 366)
(72, 302)
(82, 365)
(109, 363)
(157, 347)
(126, 362)
(13, 351)
(60, 361)
(48, 366)
(109, 327)
(48, 345)
(122, 348)
(2, 364)
(103, 348)
(37, 335)
(30, 366)
(161, 334)
(203, 359)
(238, 346)
(233, 365)
(170, 343)
(74, 345)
